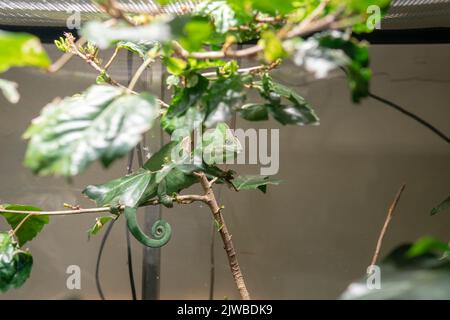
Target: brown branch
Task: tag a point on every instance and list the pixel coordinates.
(255, 69)
(61, 62)
(386, 224)
(226, 236)
(181, 199)
(102, 70)
(329, 21)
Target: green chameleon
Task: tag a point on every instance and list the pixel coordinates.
(159, 179)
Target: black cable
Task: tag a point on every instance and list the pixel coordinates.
(407, 113)
(99, 258)
(412, 116)
(129, 170)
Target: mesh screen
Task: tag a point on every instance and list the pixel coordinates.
(403, 14)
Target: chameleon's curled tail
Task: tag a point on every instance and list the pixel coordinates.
(161, 230)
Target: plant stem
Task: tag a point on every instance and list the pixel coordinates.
(329, 21)
(226, 236)
(111, 60)
(61, 62)
(21, 224)
(183, 199)
(139, 72)
(386, 224)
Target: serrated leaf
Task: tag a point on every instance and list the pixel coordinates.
(20, 50)
(99, 224)
(15, 264)
(444, 205)
(30, 228)
(224, 96)
(141, 48)
(103, 123)
(184, 98)
(252, 182)
(9, 90)
(221, 14)
(181, 126)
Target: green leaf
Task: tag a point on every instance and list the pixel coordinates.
(102, 123)
(15, 264)
(252, 182)
(425, 245)
(30, 228)
(274, 7)
(297, 112)
(329, 50)
(140, 48)
(175, 66)
(444, 205)
(273, 49)
(105, 36)
(181, 126)
(184, 98)
(99, 224)
(254, 112)
(9, 90)
(172, 81)
(224, 95)
(423, 275)
(361, 6)
(221, 14)
(20, 50)
(195, 33)
(102, 78)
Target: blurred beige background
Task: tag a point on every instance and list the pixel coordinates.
(305, 239)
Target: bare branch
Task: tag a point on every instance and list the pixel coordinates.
(181, 199)
(226, 236)
(139, 72)
(111, 60)
(386, 224)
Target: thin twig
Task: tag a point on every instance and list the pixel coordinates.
(139, 72)
(61, 62)
(111, 60)
(75, 51)
(386, 224)
(326, 22)
(226, 236)
(412, 116)
(181, 199)
(254, 69)
(14, 232)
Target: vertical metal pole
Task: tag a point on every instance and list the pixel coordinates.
(151, 263)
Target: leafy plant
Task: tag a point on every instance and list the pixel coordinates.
(198, 50)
